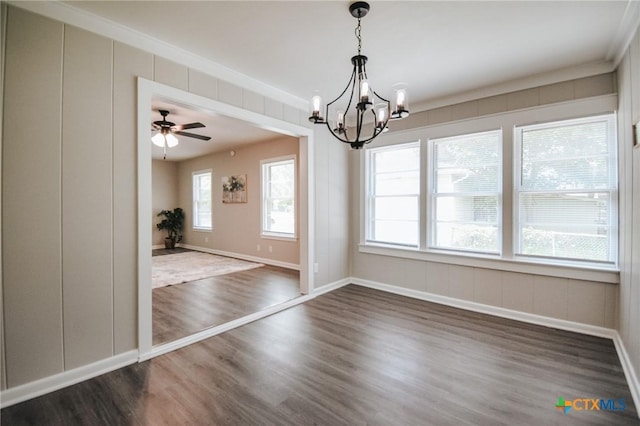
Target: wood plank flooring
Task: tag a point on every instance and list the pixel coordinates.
(183, 309)
(351, 357)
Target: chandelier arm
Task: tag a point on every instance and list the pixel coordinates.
(352, 84)
(353, 74)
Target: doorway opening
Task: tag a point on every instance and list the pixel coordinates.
(153, 96)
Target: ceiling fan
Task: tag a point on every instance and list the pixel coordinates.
(166, 130)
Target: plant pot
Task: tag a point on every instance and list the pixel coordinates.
(169, 243)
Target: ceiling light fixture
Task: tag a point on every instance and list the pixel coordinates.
(164, 137)
(360, 101)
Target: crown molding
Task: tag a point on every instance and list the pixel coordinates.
(626, 31)
(71, 15)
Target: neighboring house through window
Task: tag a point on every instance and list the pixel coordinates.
(465, 194)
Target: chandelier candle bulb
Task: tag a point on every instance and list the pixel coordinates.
(402, 105)
(364, 91)
(316, 101)
(340, 122)
(381, 115)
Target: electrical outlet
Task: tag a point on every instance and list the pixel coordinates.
(316, 267)
(270, 249)
(258, 247)
(206, 239)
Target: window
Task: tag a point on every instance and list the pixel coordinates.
(393, 194)
(279, 197)
(202, 200)
(465, 194)
(565, 190)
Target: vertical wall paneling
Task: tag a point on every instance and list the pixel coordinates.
(170, 73)
(31, 193)
(229, 93)
(203, 84)
(629, 291)
(87, 220)
(322, 205)
(625, 194)
(128, 63)
(634, 324)
(3, 28)
(338, 188)
(273, 108)
(253, 101)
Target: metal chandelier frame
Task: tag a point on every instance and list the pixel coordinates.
(366, 100)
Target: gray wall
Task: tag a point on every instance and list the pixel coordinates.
(69, 192)
(629, 113)
(236, 227)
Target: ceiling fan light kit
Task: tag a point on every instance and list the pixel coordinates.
(165, 138)
(358, 98)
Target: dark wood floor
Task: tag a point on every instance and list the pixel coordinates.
(183, 309)
(351, 357)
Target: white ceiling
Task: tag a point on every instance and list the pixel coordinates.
(226, 133)
(440, 48)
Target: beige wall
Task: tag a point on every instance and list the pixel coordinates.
(236, 227)
(164, 194)
(629, 113)
(587, 302)
(69, 192)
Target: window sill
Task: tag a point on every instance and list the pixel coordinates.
(279, 237)
(580, 272)
(202, 229)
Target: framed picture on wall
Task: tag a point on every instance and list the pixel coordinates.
(234, 189)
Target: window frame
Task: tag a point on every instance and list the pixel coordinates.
(264, 166)
(370, 198)
(507, 261)
(194, 199)
(518, 130)
(432, 194)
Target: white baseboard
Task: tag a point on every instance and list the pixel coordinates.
(40, 387)
(244, 257)
(213, 331)
(629, 371)
(577, 327)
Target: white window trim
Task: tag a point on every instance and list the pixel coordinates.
(613, 214)
(597, 105)
(431, 196)
(267, 235)
(193, 201)
(369, 187)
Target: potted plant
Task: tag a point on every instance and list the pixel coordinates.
(172, 223)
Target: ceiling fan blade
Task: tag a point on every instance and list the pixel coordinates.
(193, 135)
(189, 126)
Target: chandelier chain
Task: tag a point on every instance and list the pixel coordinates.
(358, 36)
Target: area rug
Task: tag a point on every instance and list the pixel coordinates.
(180, 268)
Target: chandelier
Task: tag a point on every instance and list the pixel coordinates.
(372, 112)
